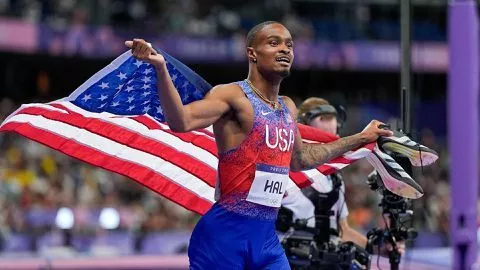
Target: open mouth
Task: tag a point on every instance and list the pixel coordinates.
(283, 59)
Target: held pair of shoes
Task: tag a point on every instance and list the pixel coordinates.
(393, 176)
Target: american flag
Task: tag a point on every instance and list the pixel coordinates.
(114, 121)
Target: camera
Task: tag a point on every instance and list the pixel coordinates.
(304, 253)
(312, 248)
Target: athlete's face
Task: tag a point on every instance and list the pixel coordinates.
(273, 50)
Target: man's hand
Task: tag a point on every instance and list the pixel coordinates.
(371, 132)
(143, 50)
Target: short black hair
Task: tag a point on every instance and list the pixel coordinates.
(252, 34)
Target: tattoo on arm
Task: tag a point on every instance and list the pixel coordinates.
(313, 155)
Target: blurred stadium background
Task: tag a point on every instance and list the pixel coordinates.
(52, 206)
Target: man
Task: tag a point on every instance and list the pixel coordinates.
(327, 194)
(258, 143)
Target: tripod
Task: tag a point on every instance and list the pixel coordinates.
(396, 208)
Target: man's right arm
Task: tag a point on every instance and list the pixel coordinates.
(195, 115)
(181, 118)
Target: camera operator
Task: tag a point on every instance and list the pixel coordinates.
(327, 192)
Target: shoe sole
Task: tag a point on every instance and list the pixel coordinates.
(417, 158)
(394, 185)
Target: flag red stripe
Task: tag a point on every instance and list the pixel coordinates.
(315, 134)
(207, 132)
(142, 175)
(340, 159)
(190, 137)
(197, 140)
(132, 139)
(327, 170)
(300, 179)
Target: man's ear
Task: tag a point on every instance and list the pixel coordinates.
(252, 56)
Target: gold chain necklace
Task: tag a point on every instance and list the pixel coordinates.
(272, 103)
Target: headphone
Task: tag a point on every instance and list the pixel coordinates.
(339, 112)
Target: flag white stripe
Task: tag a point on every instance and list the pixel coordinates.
(309, 141)
(338, 166)
(357, 154)
(120, 151)
(156, 135)
(313, 175)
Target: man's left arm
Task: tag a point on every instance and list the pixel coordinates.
(308, 156)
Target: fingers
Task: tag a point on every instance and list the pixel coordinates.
(140, 48)
(129, 43)
(383, 132)
(144, 50)
(380, 130)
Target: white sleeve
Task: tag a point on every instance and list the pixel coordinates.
(342, 205)
(301, 207)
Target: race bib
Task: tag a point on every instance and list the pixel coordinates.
(268, 185)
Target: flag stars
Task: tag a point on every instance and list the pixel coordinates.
(146, 93)
(103, 105)
(86, 97)
(131, 107)
(122, 76)
(119, 87)
(148, 71)
(104, 85)
(103, 97)
(130, 99)
(159, 109)
(197, 91)
(146, 109)
(115, 104)
(138, 63)
(146, 79)
(145, 102)
(174, 77)
(146, 86)
(129, 88)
